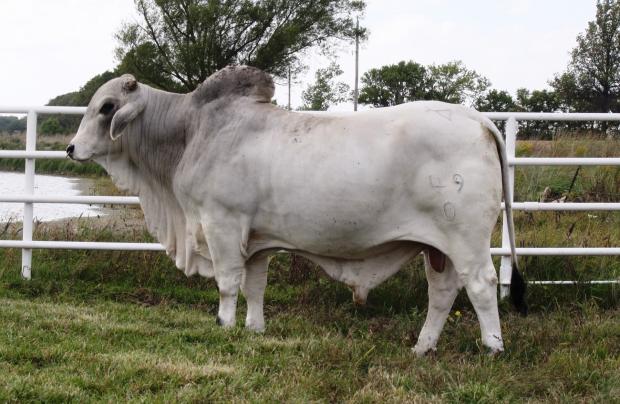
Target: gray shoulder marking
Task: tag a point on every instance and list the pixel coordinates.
(242, 81)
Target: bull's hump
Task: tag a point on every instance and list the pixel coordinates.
(241, 81)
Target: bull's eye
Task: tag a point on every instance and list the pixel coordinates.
(106, 108)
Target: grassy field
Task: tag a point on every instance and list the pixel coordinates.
(128, 326)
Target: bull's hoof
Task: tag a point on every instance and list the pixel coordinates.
(257, 328)
(359, 296)
(422, 352)
(359, 301)
(494, 345)
(494, 353)
(223, 323)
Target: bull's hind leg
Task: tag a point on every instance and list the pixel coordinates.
(253, 288)
(442, 290)
(481, 286)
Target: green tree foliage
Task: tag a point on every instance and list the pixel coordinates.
(12, 124)
(50, 126)
(393, 84)
(496, 101)
(325, 90)
(538, 101)
(592, 80)
(411, 81)
(453, 82)
(177, 44)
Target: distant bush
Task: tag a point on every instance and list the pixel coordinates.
(50, 126)
(12, 124)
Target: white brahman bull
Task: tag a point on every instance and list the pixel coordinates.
(225, 178)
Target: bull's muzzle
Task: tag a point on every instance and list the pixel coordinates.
(70, 150)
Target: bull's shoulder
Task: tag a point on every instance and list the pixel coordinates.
(243, 81)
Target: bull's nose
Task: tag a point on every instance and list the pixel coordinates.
(70, 149)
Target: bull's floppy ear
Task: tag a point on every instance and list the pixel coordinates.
(123, 117)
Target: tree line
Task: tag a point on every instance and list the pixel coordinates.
(176, 44)
(12, 124)
(590, 83)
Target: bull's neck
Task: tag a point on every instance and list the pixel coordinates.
(158, 136)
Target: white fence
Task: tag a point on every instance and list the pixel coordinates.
(31, 154)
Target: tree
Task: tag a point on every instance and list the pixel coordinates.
(177, 44)
(393, 84)
(592, 80)
(12, 124)
(326, 90)
(537, 100)
(411, 81)
(569, 94)
(496, 101)
(50, 126)
(453, 82)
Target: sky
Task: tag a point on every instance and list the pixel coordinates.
(51, 47)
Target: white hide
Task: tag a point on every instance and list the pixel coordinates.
(360, 194)
(164, 218)
(342, 190)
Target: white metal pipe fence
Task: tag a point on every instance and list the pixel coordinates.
(511, 119)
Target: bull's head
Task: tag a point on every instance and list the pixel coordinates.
(112, 108)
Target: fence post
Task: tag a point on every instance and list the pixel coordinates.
(31, 142)
(505, 269)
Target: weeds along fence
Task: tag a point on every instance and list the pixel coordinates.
(30, 154)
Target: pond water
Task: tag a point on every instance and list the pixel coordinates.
(13, 183)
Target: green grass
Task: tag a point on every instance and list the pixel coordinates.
(128, 326)
(56, 352)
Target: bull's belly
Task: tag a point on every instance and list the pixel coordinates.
(364, 274)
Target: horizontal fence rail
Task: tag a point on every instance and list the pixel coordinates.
(81, 245)
(99, 245)
(31, 154)
(81, 199)
(22, 154)
(564, 161)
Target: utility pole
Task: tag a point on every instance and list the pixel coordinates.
(289, 88)
(357, 62)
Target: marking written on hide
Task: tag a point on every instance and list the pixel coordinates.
(435, 182)
(444, 113)
(449, 211)
(458, 180)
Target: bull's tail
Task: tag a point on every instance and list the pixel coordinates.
(517, 284)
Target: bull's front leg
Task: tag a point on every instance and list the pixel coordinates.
(224, 241)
